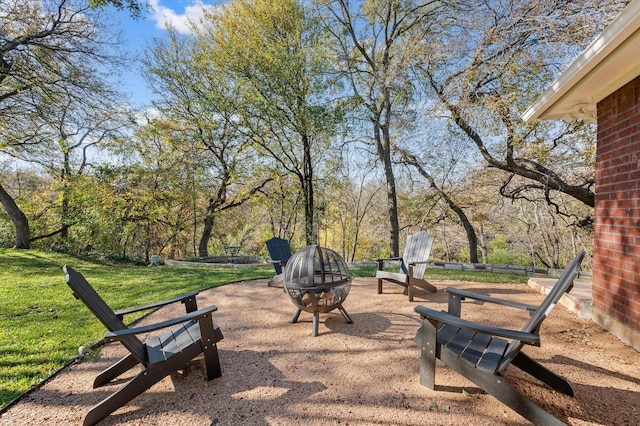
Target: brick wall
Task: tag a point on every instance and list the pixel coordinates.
(616, 257)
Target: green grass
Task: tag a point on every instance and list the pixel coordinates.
(42, 324)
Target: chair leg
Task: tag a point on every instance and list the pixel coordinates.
(210, 334)
(424, 284)
(140, 383)
(122, 366)
(212, 362)
(496, 386)
(428, 354)
(542, 373)
(499, 388)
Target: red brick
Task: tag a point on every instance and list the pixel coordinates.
(616, 269)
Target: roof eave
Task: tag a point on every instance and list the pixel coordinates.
(607, 64)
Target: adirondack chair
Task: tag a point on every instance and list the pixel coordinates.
(413, 265)
(280, 252)
(187, 336)
(482, 353)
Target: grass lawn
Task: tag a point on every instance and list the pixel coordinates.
(42, 324)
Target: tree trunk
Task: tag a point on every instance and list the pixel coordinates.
(383, 144)
(483, 245)
(471, 233)
(65, 213)
(20, 221)
(308, 192)
(203, 247)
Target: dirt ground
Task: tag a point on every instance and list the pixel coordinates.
(365, 373)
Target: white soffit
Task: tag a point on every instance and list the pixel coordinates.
(610, 62)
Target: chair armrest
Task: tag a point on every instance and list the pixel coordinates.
(389, 258)
(464, 294)
(114, 336)
(381, 261)
(441, 316)
(180, 298)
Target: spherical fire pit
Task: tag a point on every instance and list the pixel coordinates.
(317, 280)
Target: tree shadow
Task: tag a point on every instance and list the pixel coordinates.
(255, 387)
(383, 327)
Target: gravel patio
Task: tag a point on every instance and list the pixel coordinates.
(365, 373)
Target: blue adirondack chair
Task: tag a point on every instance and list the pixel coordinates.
(280, 252)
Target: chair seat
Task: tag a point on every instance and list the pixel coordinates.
(480, 350)
(176, 339)
(395, 276)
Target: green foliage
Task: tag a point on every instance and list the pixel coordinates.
(135, 7)
(43, 325)
(501, 254)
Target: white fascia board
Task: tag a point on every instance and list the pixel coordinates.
(610, 62)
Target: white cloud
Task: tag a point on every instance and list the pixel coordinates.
(164, 16)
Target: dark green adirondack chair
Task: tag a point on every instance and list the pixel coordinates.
(185, 338)
(482, 353)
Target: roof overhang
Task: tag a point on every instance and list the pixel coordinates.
(611, 61)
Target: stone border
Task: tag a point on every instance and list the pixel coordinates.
(485, 267)
(171, 262)
(460, 266)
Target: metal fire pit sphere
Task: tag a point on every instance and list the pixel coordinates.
(316, 280)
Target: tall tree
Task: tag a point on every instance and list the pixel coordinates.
(489, 66)
(376, 48)
(46, 48)
(352, 194)
(195, 103)
(273, 51)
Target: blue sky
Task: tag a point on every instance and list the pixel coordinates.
(140, 34)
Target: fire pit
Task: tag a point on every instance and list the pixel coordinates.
(317, 280)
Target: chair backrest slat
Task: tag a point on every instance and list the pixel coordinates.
(418, 249)
(562, 286)
(92, 300)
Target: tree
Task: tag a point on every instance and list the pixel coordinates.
(272, 51)
(375, 50)
(280, 201)
(411, 160)
(489, 66)
(47, 48)
(197, 115)
(351, 194)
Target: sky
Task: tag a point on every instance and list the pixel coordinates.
(140, 33)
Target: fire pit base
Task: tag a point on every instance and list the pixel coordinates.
(316, 318)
